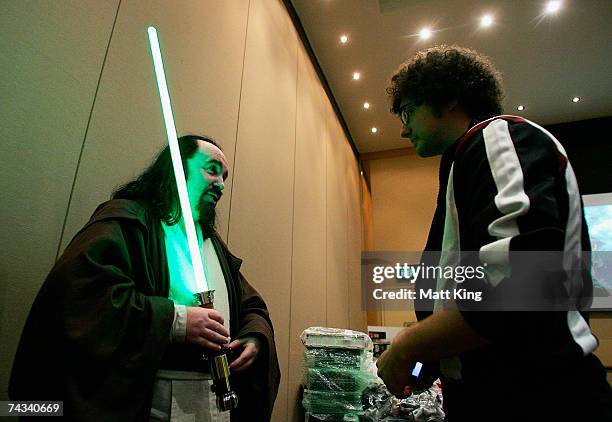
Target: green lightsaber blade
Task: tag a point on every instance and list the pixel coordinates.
(175, 153)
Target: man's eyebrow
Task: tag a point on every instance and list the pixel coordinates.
(214, 161)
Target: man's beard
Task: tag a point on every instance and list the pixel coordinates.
(208, 217)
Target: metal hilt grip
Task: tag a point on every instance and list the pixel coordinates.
(219, 369)
(218, 363)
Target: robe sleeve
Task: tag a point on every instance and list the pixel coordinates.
(102, 324)
(257, 386)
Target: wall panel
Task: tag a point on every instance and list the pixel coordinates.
(357, 316)
(261, 218)
(202, 46)
(337, 226)
(404, 191)
(402, 210)
(308, 299)
(51, 55)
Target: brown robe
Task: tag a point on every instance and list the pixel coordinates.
(99, 328)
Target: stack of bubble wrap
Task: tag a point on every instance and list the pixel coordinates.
(335, 373)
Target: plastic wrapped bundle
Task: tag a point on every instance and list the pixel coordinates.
(336, 379)
(336, 364)
(326, 357)
(335, 338)
(381, 406)
(350, 417)
(331, 403)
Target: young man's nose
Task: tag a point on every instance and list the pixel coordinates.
(406, 132)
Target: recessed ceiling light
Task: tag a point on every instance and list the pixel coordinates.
(374, 130)
(366, 105)
(425, 33)
(552, 6)
(356, 75)
(361, 172)
(520, 108)
(344, 38)
(486, 21)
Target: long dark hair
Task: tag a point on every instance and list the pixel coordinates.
(157, 183)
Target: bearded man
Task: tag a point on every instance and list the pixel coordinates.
(114, 332)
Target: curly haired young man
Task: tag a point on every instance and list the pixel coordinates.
(506, 186)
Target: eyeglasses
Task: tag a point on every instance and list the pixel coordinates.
(406, 112)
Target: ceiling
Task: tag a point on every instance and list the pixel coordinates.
(545, 60)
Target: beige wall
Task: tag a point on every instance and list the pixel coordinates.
(403, 192)
(236, 71)
(601, 324)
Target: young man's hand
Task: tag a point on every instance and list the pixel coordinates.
(251, 347)
(393, 369)
(205, 328)
(441, 335)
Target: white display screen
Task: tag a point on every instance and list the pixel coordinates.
(598, 213)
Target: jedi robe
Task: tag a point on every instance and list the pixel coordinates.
(99, 328)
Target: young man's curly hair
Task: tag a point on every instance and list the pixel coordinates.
(439, 75)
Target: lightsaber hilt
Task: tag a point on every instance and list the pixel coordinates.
(205, 299)
(218, 363)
